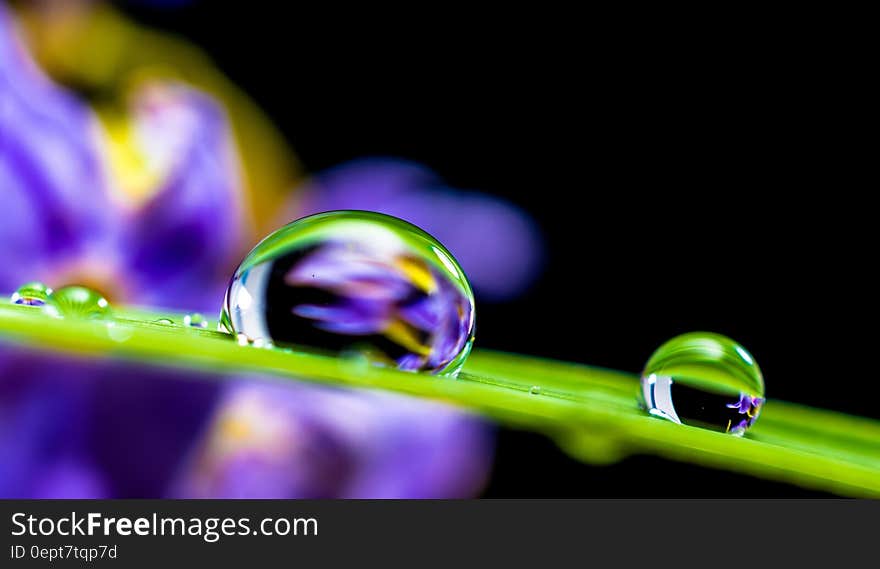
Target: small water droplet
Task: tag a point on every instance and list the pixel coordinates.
(242, 340)
(355, 281)
(354, 361)
(118, 333)
(535, 390)
(195, 320)
(706, 380)
(31, 294)
(262, 343)
(77, 302)
(164, 322)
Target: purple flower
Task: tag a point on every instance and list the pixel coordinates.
(375, 295)
(183, 242)
(92, 428)
(747, 405)
(68, 426)
(72, 215)
(274, 441)
(55, 202)
(497, 244)
(149, 211)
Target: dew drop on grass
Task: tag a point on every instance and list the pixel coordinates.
(535, 390)
(164, 322)
(77, 302)
(31, 294)
(348, 281)
(263, 343)
(706, 380)
(195, 320)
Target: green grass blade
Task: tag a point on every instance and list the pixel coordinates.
(590, 411)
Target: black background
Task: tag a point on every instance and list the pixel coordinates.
(687, 175)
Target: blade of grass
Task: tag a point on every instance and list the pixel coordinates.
(590, 411)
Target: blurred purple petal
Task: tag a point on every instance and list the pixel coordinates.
(86, 427)
(71, 479)
(54, 194)
(185, 241)
(78, 427)
(497, 244)
(176, 250)
(144, 421)
(43, 418)
(296, 441)
(70, 426)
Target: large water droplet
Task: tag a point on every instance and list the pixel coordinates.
(31, 294)
(77, 302)
(352, 281)
(706, 380)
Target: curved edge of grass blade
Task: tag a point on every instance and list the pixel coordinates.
(592, 411)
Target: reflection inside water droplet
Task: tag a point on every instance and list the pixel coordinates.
(535, 390)
(706, 380)
(31, 294)
(195, 320)
(355, 281)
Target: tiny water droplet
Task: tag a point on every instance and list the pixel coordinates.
(262, 343)
(31, 294)
(195, 320)
(118, 333)
(535, 390)
(242, 340)
(164, 322)
(706, 380)
(355, 361)
(77, 302)
(348, 281)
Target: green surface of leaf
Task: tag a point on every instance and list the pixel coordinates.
(591, 412)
